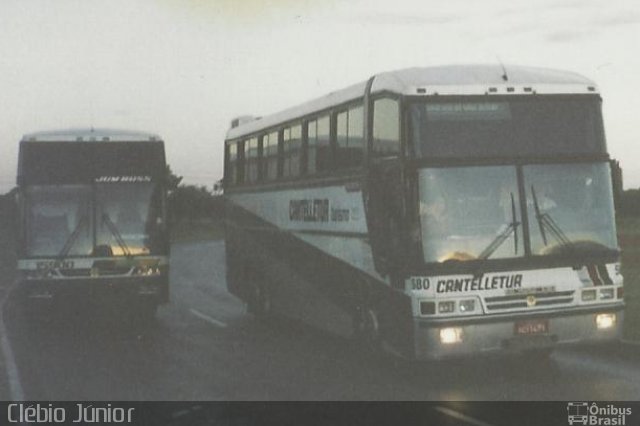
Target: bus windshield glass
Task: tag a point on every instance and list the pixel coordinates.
(473, 213)
(126, 216)
(468, 213)
(59, 220)
(502, 127)
(570, 207)
(93, 220)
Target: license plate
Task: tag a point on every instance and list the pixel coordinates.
(531, 327)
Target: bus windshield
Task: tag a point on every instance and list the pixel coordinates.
(92, 220)
(126, 216)
(463, 210)
(473, 213)
(570, 207)
(520, 127)
(59, 220)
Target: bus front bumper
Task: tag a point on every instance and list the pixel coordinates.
(438, 339)
(100, 289)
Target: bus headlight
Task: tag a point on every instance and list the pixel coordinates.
(588, 295)
(604, 321)
(467, 305)
(606, 293)
(146, 270)
(450, 335)
(446, 307)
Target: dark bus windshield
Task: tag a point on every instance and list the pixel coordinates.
(93, 220)
(514, 127)
(473, 213)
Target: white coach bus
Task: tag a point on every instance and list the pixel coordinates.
(431, 212)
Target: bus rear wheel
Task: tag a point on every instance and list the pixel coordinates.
(367, 329)
(260, 303)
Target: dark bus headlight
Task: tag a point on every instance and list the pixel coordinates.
(588, 295)
(427, 308)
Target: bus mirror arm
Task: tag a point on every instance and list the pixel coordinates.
(616, 181)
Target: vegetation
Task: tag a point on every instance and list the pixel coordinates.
(195, 212)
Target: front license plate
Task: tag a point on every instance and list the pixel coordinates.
(531, 327)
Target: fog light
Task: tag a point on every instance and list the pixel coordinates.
(588, 295)
(604, 321)
(446, 307)
(468, 305)
(450, 335)
(606, 293)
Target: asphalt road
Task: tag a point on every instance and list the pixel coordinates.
(204, 346)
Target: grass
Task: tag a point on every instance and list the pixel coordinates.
(197, 230)
(629, 239)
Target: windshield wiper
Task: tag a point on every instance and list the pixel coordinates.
(504, 235)
(114, 231)
(545, 221)
(66, 248)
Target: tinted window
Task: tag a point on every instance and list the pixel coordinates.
(270, 154)
(514, 127)
(232, 163)
(386, 128)
(349, 138)
(292, 149)
(319, 154)
(251, 160)
(82, 162)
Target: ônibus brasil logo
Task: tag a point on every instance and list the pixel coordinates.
(588, 414)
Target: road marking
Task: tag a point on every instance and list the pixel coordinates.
(208, 319)
(15, 387)
(459, 416)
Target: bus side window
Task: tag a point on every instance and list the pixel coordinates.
(292, 140)
(270, 153)
(232, 163)
(251, 160)
(386, 128)
(319, 147)
(349, 134)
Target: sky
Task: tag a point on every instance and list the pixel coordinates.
(185, 68)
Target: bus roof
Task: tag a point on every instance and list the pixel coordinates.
(447, 80)
(90, 135)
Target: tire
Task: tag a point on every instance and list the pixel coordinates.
(367, 329)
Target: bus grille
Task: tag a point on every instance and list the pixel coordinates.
(519, 301)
